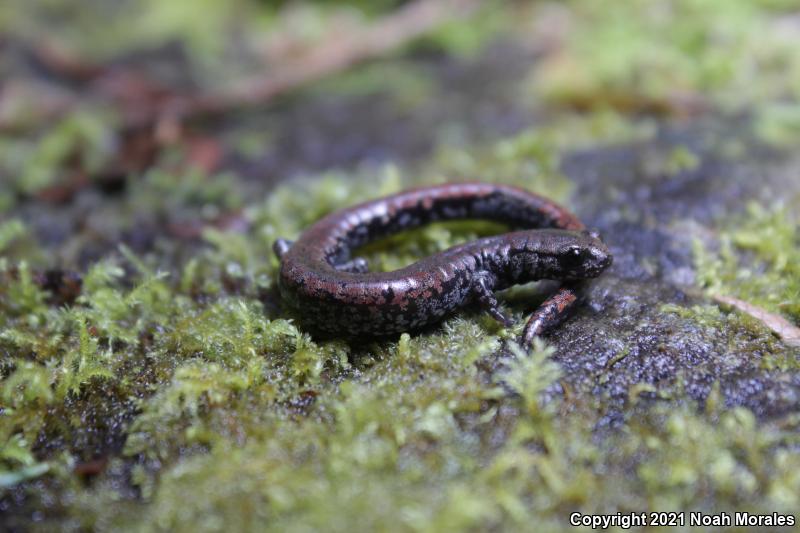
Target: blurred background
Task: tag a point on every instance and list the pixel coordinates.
(96, 92)
(151, 152)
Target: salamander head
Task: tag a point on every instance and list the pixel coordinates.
(581, 255)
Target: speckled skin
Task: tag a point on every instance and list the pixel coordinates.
(336, 296)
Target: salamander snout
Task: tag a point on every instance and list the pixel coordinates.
(585, 257)
(598, 258)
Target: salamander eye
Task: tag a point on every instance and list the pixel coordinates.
(575, 251)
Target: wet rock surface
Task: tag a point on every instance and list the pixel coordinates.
(650, 219)
(467, 100)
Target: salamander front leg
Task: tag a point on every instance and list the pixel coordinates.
(281, 246)
(489, 303)
(551, 313)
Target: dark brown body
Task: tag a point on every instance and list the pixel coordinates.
(335, 295)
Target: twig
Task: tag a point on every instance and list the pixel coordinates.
(153, 115)
(65, 63)
(334, 55)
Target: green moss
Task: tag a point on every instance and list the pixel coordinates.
(232, 415)
(215, 411)
(467, 37)
(408, 84)
(10, 231)
(80, 140)
(22, 298)
(529, 159)
(431, 465)
(745, 335)
(681, 159)
(640, 55)
(758, 260)
(779, 124)
(189, 189)
(754, 261)
(127, 24)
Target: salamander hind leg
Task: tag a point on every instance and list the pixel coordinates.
(359, 265)
(488, 301)
(551, 313)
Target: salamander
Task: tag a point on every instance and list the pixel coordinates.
(335, 294)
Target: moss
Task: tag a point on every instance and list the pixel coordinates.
(10, 231)
(175, 394)
(409, 84)
(229, 414)
(744, 334)
(82, 140)
(757, 260)
(244, 420)
(127, 25)
(432, 466)
(464, 38)
(779, 124)
(530, 159)
(753, 259)
(641, 56)
(681, 159)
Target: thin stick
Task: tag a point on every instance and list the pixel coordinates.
(334, 55)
